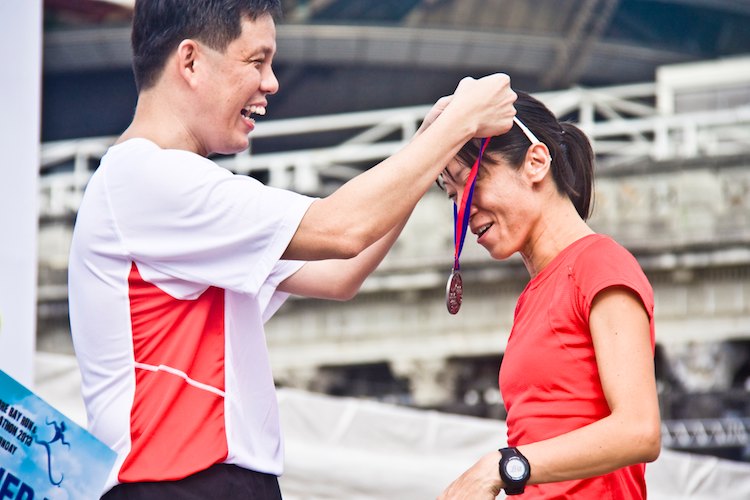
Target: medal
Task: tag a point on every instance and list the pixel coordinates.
(454, 290)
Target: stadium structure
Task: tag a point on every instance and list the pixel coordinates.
(662, 87)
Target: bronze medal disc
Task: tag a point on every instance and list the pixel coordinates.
(454, 292)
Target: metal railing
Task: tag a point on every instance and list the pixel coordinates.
(623, 123)
(697, 434)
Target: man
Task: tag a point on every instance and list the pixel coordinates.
(176, 263)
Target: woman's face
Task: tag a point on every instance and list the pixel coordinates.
(502, 211)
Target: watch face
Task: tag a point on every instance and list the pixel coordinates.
(515, 468)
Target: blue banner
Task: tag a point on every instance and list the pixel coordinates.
(43, 454)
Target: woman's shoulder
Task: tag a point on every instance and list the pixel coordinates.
(602, 247)
(600, 255)
(606, 261)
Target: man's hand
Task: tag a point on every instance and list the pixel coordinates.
(436, 110)
(480, 482)
(488, 102)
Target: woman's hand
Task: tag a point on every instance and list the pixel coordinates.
(480, 482)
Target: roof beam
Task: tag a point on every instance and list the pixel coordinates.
(409, 48)
(573, 52)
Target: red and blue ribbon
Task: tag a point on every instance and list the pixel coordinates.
(461, 215)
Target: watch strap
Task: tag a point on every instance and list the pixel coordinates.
(513, 486)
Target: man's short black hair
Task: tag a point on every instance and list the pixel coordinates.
(160, 25)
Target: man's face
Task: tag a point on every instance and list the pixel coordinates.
(233, 88)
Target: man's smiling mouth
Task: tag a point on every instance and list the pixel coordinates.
(250, 110)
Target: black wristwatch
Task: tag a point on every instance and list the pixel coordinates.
(514, 470)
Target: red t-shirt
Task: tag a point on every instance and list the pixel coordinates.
(549, 377)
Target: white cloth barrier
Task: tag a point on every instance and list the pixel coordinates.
(344, 448)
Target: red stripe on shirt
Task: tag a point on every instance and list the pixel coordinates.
(176, 429)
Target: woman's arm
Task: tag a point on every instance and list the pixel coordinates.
(620, 330)
(631, 433)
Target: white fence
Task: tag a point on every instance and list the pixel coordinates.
(625, 123)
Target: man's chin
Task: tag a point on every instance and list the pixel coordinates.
(236, 147)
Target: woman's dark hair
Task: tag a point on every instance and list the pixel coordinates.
(572, 157)
(160, 25)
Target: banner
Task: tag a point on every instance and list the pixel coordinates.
(20, 74)
(43, 454)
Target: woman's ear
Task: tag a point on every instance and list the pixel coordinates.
(537, 163)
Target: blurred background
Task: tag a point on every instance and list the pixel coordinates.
(662, 87)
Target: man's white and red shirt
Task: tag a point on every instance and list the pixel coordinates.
(173, 271)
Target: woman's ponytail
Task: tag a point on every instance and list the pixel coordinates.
(574, 170)
(572, 156)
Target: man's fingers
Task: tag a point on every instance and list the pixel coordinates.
(443, 102)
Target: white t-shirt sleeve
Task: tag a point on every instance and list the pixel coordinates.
(182, 215)
(270, 299)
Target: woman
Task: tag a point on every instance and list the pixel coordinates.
(577, 376)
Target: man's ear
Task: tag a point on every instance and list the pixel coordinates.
(187, 60)
(537, 163)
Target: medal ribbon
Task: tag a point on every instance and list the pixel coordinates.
(461, 215)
